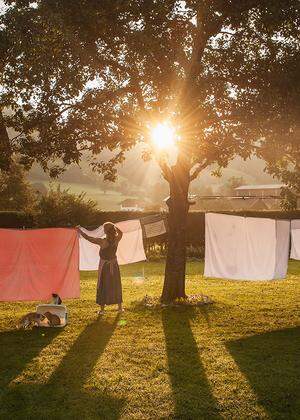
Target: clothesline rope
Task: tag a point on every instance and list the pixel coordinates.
(211, 197)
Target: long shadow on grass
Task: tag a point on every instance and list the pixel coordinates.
(18, 348)
(65, 394)
(271, 363)
(191, 391)
(294, 267)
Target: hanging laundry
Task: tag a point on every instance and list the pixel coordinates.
(154, 225)
(88, 252)
(245, 248)
(34, 264)
(295, 232)
(295, 224)
(130, 248)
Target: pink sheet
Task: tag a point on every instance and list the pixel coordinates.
(36, 263)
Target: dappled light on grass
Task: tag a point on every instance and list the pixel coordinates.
(272, 377)
(209, 361)
(28, 345)
(67, 386)
(62, 340)
(192, 393)
(217, 380)
(230, 385)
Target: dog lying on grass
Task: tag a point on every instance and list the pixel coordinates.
(53, 319)
(31, 319)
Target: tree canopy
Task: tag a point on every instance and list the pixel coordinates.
(84, 76)
(15, 191)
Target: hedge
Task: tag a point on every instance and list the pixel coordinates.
(16, 220)
(195, 222)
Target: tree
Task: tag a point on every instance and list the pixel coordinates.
(158, 192)
(98, 74)
(15, 192)
(62, 208)
(39, 188)
(232, 183)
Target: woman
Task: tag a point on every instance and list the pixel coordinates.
(109, 288)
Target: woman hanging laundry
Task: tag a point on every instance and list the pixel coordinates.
(109, 288)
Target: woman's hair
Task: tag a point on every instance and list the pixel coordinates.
(110, 231)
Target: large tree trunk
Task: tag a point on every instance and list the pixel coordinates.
(174, 284)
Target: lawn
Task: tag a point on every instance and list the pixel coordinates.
(237, 358)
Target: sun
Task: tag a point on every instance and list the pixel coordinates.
(163, 136)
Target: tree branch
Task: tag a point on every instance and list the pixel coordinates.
(199, 168)
(205, 30)
(165, 169)
(138, 89)
(227, 33)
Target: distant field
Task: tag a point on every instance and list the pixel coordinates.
(109, 200)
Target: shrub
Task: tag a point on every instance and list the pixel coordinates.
(16, 194)
(16, 219)
(62, 208)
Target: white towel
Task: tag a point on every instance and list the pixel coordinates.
(295, 249)
(130, 248)
(245, 248)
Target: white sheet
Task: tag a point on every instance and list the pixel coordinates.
(88, 252)
(130, 249)
(222, 255)
(295, 224)
(260, 257)
(241, 248)
(295, 246)
(295, 249)
(283, 231)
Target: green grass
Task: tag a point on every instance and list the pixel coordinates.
(237, 358)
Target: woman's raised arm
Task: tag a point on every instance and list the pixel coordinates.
(119, 233)
(97, 241)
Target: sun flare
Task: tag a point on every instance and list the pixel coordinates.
(163, 136)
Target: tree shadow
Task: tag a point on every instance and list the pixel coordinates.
(208, 312)
(271, 363)
(294, 267)
(191, 391)
(64, 395)
(20, 347)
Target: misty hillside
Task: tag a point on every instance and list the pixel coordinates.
(137, 178)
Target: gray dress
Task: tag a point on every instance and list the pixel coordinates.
(109, 288)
